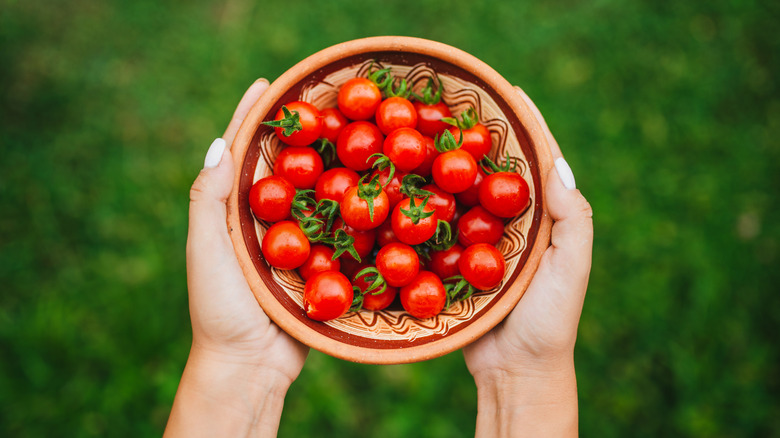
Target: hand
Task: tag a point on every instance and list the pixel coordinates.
(528, 358)
(240, 361)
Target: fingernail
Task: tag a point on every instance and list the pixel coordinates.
(565, 173)
(214, 155)
(262, 80)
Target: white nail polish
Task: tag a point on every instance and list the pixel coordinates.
(214, 155)
(565, 173)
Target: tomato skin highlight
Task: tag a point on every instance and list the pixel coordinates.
(445, 263)
(320, 259)
(479, 226)
(359, 98)
(270, 198)
(505, 194)
(327, 295)
(408, 232)
(425, 296)
(356, 143)
(285, 246)
(398, 263)
(333, 183)
(482, 265)
(302, 166)
(311, 122)
(454, 171)
(371, 301)
(406, 148)
(429, 118)
(332, 124)
(476, 140)
(394, 113)
(356, 214)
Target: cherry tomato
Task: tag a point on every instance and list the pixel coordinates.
(476, 140)
(479, 226)
(327, 295)
(441, 201)
(333, 183)
(406, 230)
(359, 98)
(370, 300)
(482, 265)
(406, 148)
(320, 259)
(302, 166)
(350, 266)
(505, 194)
(395, 112)
(270, 198)
(355, 211)
(445, 263)
(364, 239)
(454, 171)
(429, 118)
(356, 142)
(385, 234)
(393, 188)
(425, 296)
(424, 169)
(285, 246)
(398, 263)
(332, 124)
(470, 196)
(310, 120)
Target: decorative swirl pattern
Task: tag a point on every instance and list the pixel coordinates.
(459, 95)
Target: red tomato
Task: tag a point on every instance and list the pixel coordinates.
(425, 296)
(406, 148)
(505, 194)
(385, 234)
(350, 266)
(429, 118)
(454, 171)
(333, 183)
(364, 239)
(395, 112)
(479, 226)
(375, 302)
(476, 140)
(482, 265)
(332, 124)
(355, 211)
(393, 188)
(285, 246)
(442, 202)
(398, 263)
(470, 196)
(310, 120)
(327, 295)
(406, 230)
(302, 166)
(424, 169)
(270, 198)
(359, 98)
(320, 259)
(357, 142)
(445, 263)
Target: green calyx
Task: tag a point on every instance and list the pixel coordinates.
(458, 289)
(410, 186)
(383, 162)
(427, 95)
(327, 151)
(417, 212)
(314, 219)
(382, 78)
(446, 141)
(290, 123)
(468, 119)
(443, 239)
(342, 242)
(489, 166)
(377, 285)
(403, 90)
(369, 192)
(303, 202)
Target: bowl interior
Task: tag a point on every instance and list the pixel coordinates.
(392, 329)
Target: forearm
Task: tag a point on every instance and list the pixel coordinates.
(528, 404)
(218, 398)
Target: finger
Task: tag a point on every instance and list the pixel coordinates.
(250, 97)
(554, 148)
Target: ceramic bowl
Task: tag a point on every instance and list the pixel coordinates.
(393, 336)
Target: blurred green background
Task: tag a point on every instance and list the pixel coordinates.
(668, 112)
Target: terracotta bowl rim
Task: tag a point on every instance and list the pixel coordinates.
(473, 330)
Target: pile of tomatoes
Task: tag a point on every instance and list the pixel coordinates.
(386, 195)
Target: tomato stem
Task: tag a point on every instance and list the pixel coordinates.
(303, 202)
(489, 166)
(427, 96)
(446, 141)
(468, 119)
(458, 289)
(380, 77)
(327, 151)
(403, 89)
(417, 212)
(442, 239)
(410, 186)
(342, 242)
(378, 284)
(383, 162)
(291, 122)
(368, 192)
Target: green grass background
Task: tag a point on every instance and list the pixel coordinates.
(668, 113)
